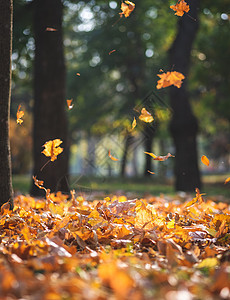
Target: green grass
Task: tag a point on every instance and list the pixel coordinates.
(213, 185)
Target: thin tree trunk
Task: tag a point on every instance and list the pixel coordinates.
(6, 15)
(148, 142)
(128, 143)
(50, 120)
(184, 126)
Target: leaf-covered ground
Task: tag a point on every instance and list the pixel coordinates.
(115, 248)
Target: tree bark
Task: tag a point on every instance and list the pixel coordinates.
(6, 15)
(50, 120)
(184, 125)
(148, 142)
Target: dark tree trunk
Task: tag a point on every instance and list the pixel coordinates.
(6, 14)
(184, 126)
(50, 120)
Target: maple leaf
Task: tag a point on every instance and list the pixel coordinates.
(69, 103)
(112, 157)
(160, 158)
(20, 114)
(127, 7)
(170, 78)
(52, 149)
(145, 116)
(180, 8)
(205, 160)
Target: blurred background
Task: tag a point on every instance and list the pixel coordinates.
(111, 67)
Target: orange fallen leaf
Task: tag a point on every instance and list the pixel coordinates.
(50, 29)
(112, 157)
(160, 158)
(227, 180)
(127, 7)
(111, 51)
(52, 149)
(145, 116)
(170, 78)
(20, 114)
(205, 160)
(180, 8)
(69, 103)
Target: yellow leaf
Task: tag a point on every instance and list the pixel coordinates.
(170, 78)
(127, 7)
(134, 124)
(209, 262)
(52, 149)
(20, 114)
(145, 116)
(160, 158)
(227, 180)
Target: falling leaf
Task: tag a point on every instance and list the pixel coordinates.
(69, 103)
(227, 180)
(134, 124)
(160, 158)
(38, 183)
(111, 51)
(50, 29)
(150, 172)
(170, 78)
(52, 149)
(20, 114)
(112, 157)
(180, 8)
(127, 7)
(145, 116)
(205, 160)
(78, 74)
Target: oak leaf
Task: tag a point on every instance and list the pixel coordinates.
(127, 7)
(180, 8)
(145, 116)
(170, 78)
(52, 149)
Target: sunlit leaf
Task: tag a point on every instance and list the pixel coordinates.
(112, 157)
(205, 160)
(20, 114)
(127, 7)
(227, 180)
(145, 116)
(50, 29)
(180, 8)
(52, 149)
(170, 78)
(134, 124)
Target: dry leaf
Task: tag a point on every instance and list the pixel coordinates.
(160, 158)
(78, 74)
(180, 8)
(150, 172)
(134, 124)
(112, 157)
(145, 116)
(20, 114)
(69, 103)
(127, 7)
(111, 51)
(205, 160)
(51, 149)
(170, 78)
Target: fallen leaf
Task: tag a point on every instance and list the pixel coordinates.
(51, 149)
(20, 114)
(160, 158)
(112, 157)
(69, 103)
(127, 7)
(145, 116)
(180, 8)
(205, 160)
(170, 78)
